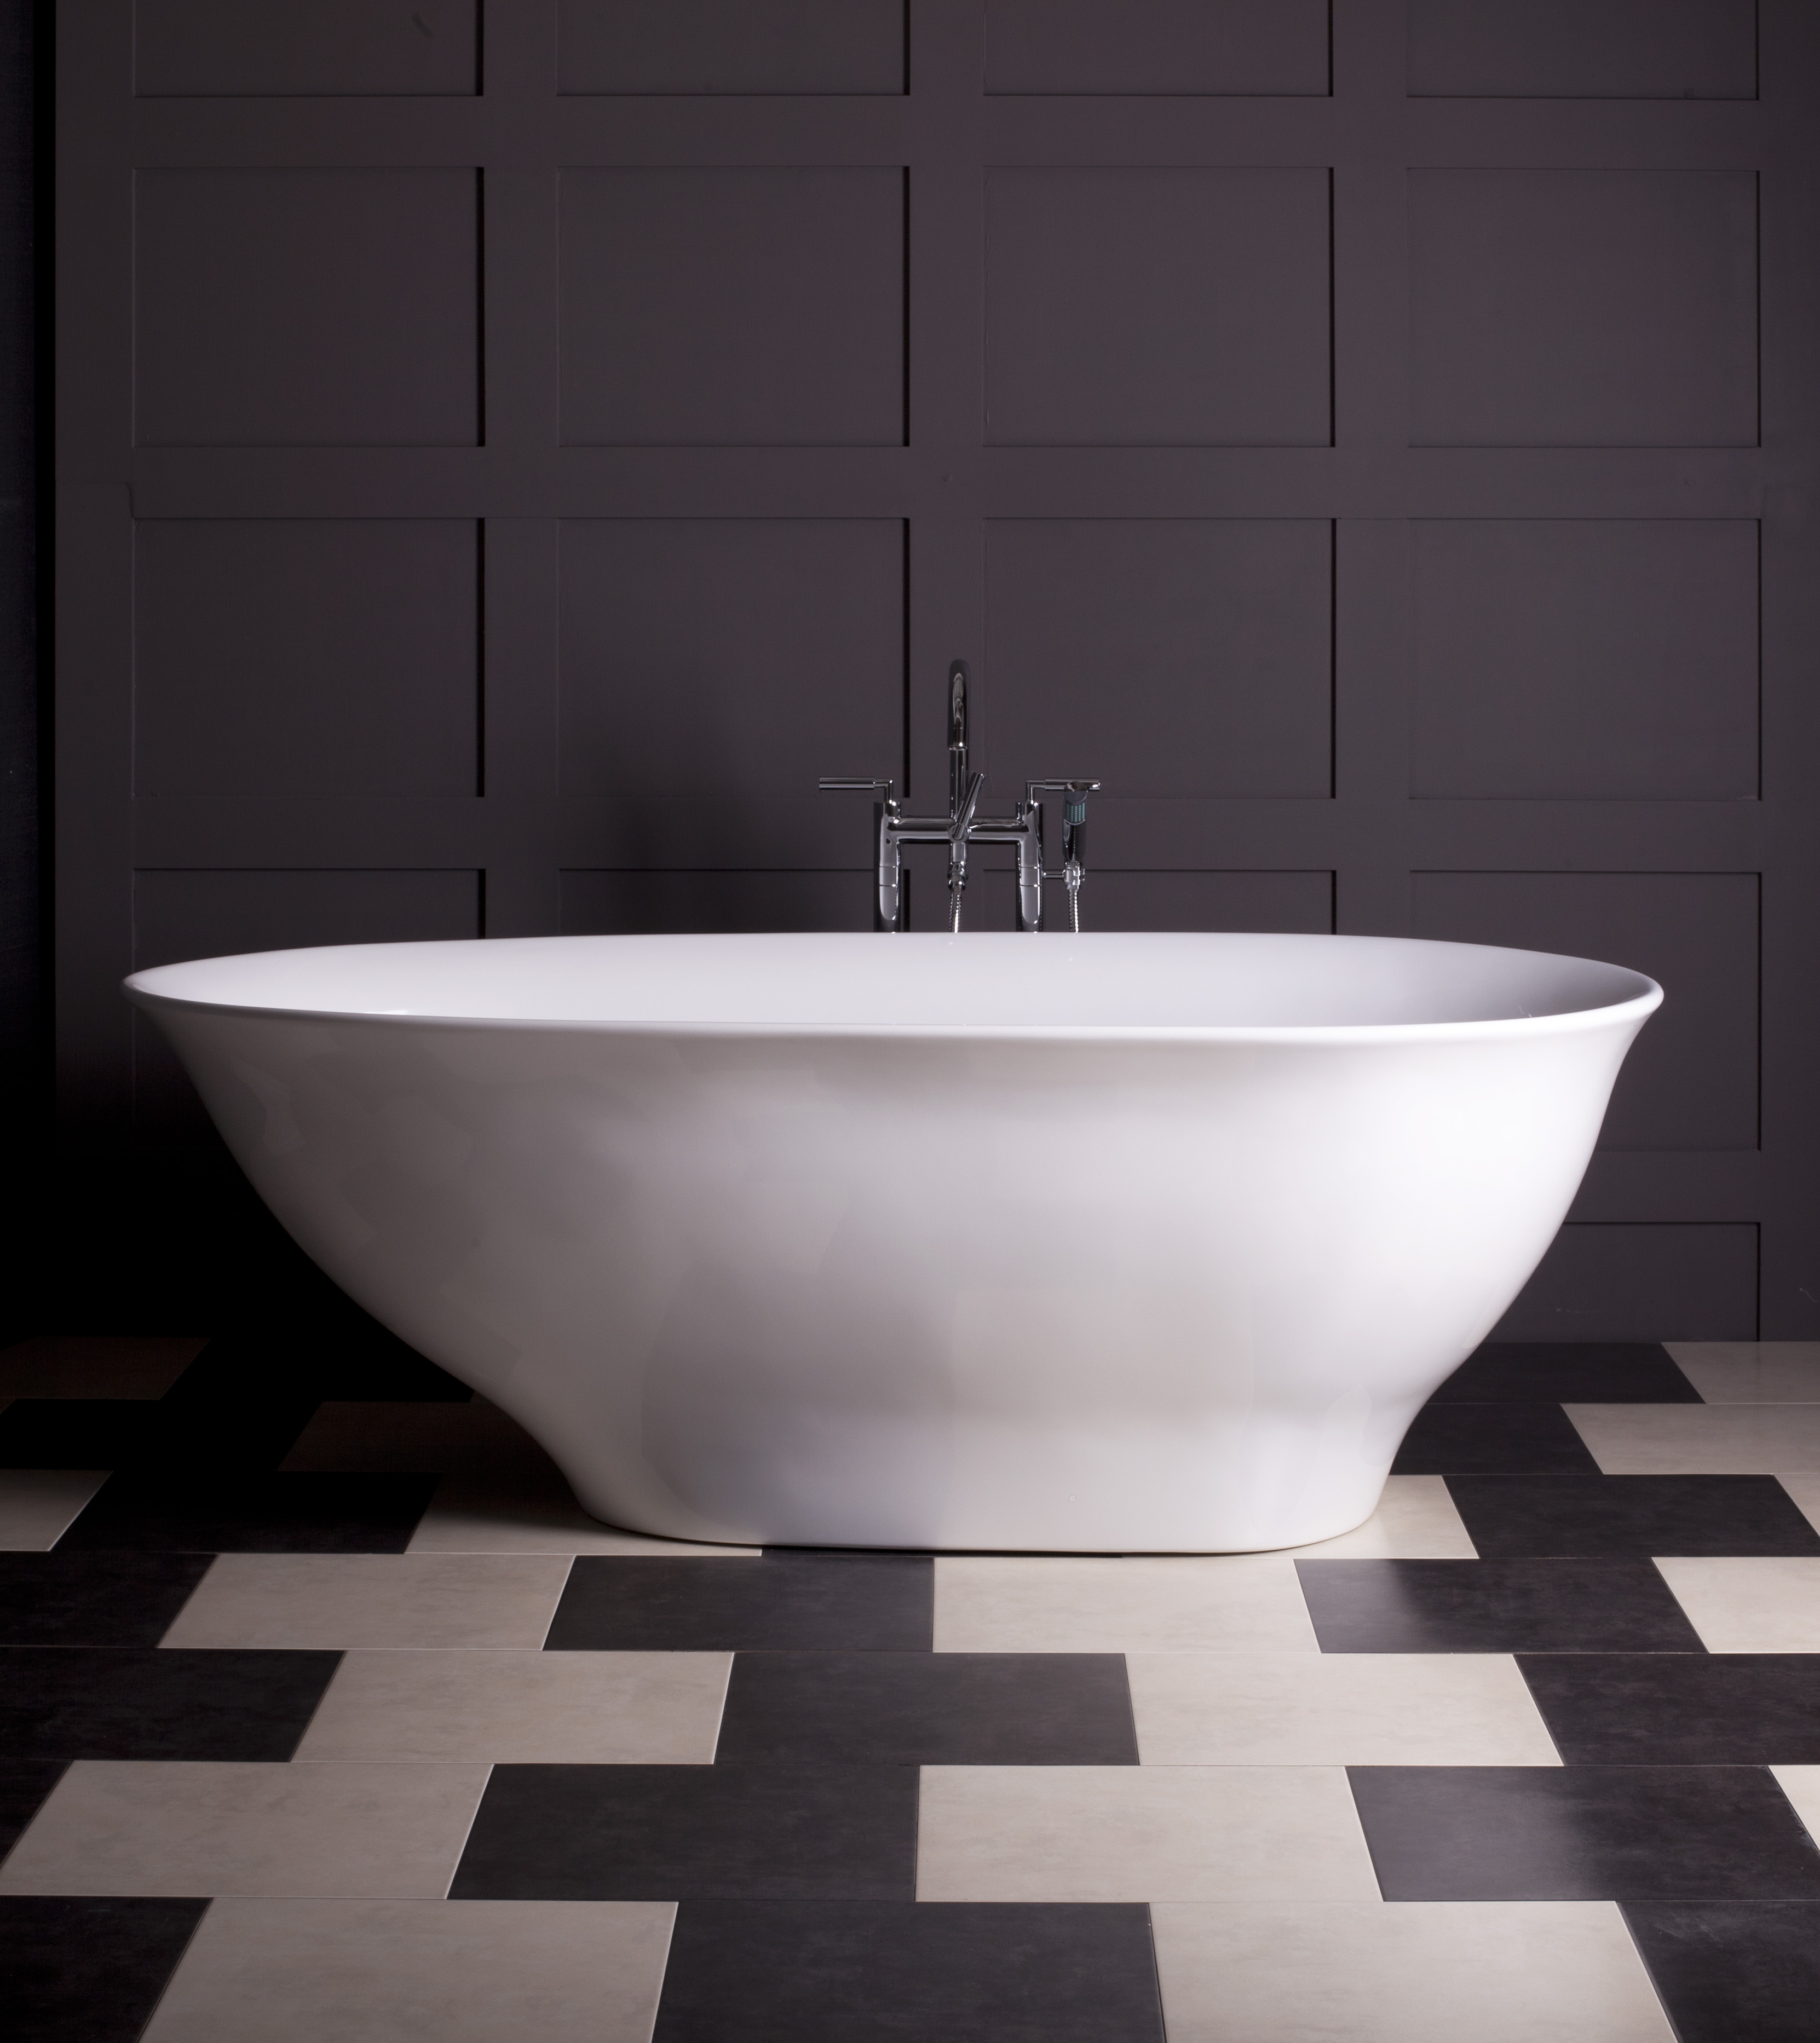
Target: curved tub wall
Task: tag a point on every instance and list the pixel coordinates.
(938, 1291)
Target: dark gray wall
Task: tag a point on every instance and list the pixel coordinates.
(24, 1042)
(504, 461)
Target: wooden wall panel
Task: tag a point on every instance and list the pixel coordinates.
(732, 308)
(1101, 47)
(1180, 657)
(1583, 49)
(282, 656)
(1583, 308)
(690, 47)
(297, 48)
(697, 653)
(1591, 659)
(1155, 308)
(307, 307)
(1378, 441)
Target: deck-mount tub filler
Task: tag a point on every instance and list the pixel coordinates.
(1101, 1244)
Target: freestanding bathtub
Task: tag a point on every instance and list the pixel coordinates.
(1102, 1243)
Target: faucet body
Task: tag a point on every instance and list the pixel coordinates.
(964, 826)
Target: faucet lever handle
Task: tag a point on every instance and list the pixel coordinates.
(887, 788)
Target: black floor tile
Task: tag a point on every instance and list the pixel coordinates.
(931, 1709)
(81, 1432)
(70, 1599)
(1568, 1372)
(1511, 1515)
(1493, 1439)
(778, 1833)
(1675, 1709)
(781, 1971)
(1557, 1606)
(1734, 1971)
(1584, 1834)
(24, 1784)
(83, 1702)
(787, 1601)
(343, 1356)
(258, 1514)
(87, 1969)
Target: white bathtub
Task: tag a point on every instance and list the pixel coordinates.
(1110, 1242)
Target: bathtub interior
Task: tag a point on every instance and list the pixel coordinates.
(1099, 981)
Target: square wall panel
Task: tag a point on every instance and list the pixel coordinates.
(1690, 1080)
(177, 915)
(1188, 657)
(733, 308)
(1238, 47)
(730, 656)
(306, 657)
(307, 307)
(1583, 49)
(625, 903)
(1158, 308)
(284, 48)
(730, 46)
(1583, 308)
(1641, 1282)
(1586, 659)
(1299, 903)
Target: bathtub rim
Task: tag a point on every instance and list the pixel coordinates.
(139, 989)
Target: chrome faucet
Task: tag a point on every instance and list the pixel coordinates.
(963, 825)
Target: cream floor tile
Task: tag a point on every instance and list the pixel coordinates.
(171, 1826)
(1416, 1521)
(1804, 1489)
(1496, 1972)
(535, 1513)
(1751, 1372)
(94, 1366)
(379, 1600)
(1336, 1709)
(1139, 1833)
(1759, 1605)
(38, 1505)
(1225, 1603)
(1700, 1439)
(598, 1709)
(1802, 1785)
(476, 1438)
(419, 1972)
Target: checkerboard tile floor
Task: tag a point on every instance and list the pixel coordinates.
(327, 1713)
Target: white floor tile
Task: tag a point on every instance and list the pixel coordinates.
(1339, 1709)
(378, 1600)
(419, 1972)
(1751, 1372)
(94, 1366)
(355, 1437)
(1804, 1489)
(1523, 1972)
(584, 1709)
(171, 1826)
(1226, 1603)
(1700, 1439)
(1757, 1605)
(535, 1512)
(1802, 1785)
(38, 1506)
(1139, 1833)
(1416, 1521)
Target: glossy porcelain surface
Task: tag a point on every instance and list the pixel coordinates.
(1110, 1242)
